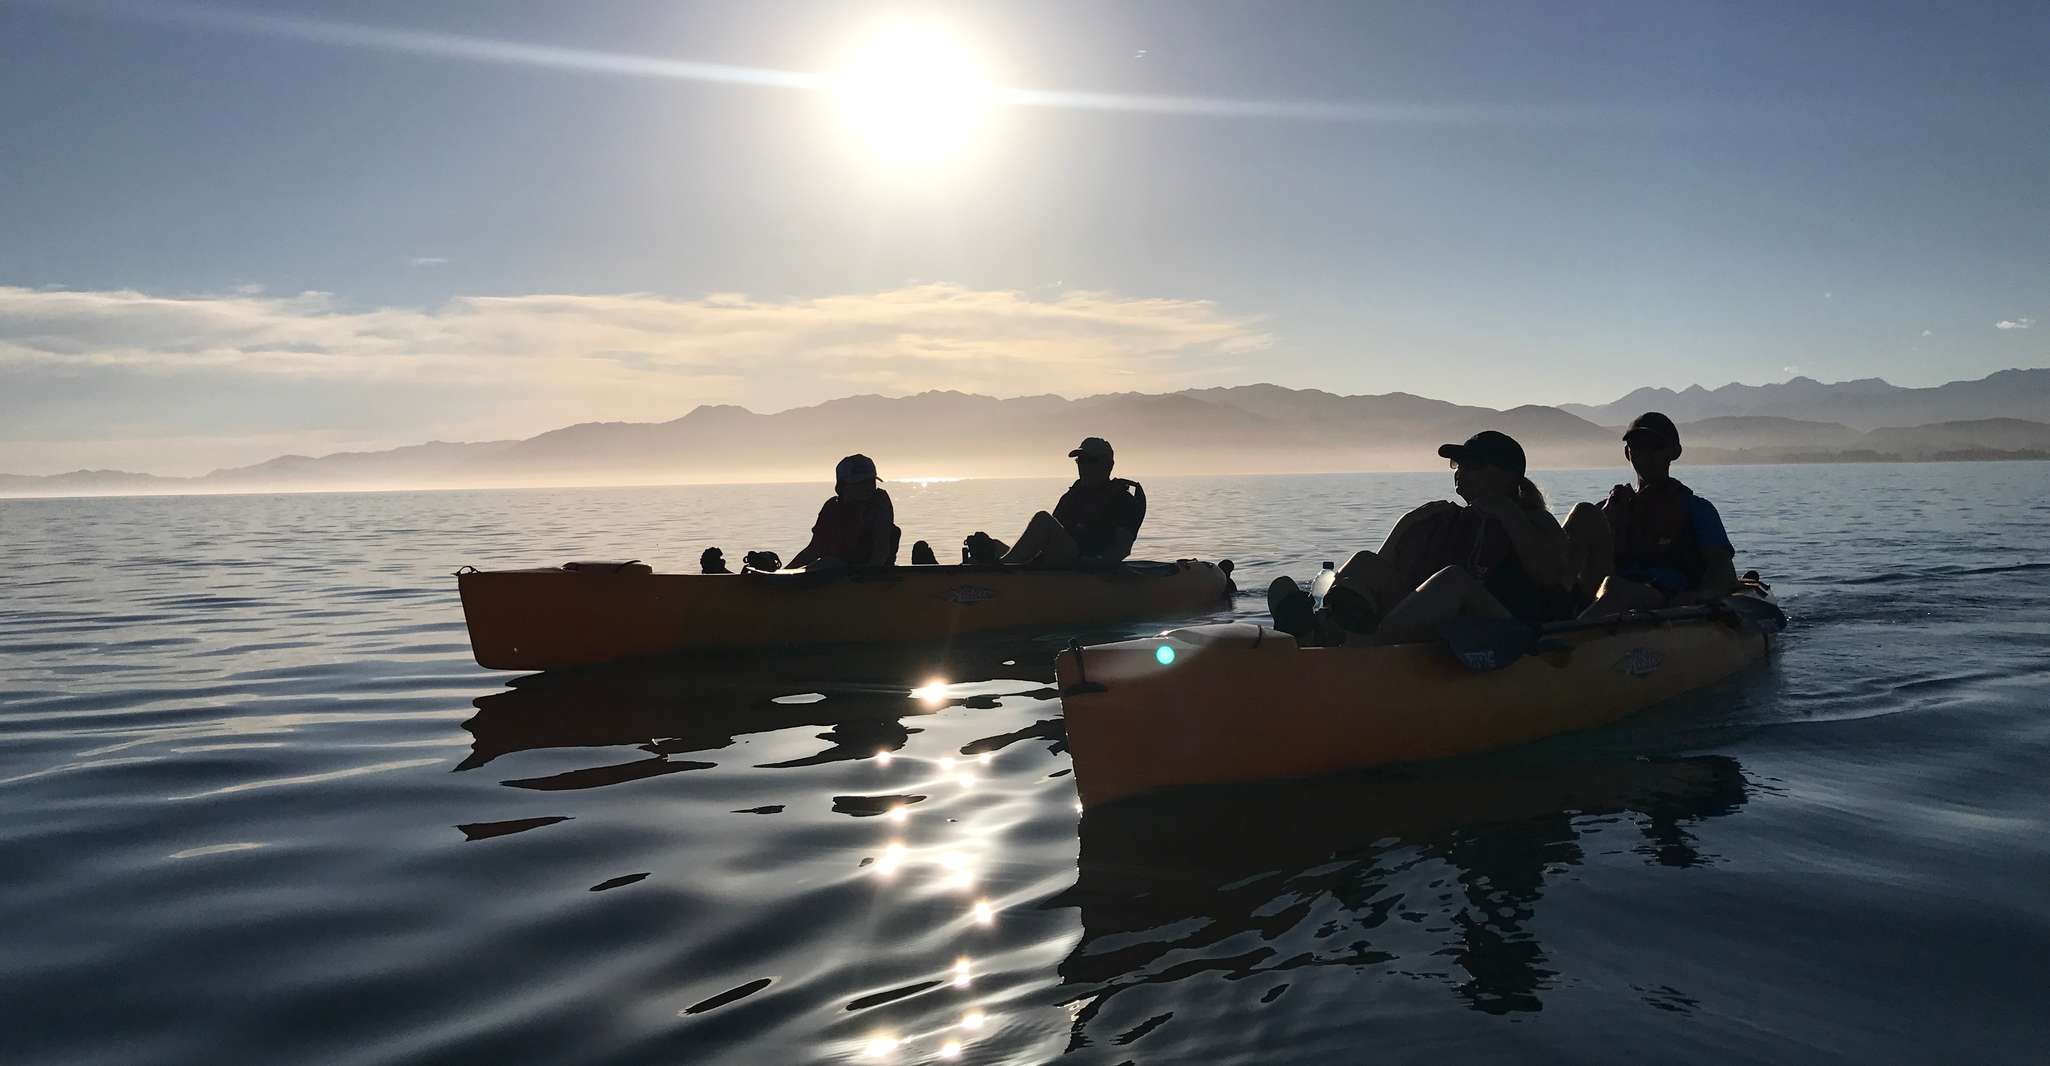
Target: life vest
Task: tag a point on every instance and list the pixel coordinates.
(1654, 529)
(846, 531)
(1092, 514)
(1476, 542)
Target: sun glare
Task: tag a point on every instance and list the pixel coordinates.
(914, 95)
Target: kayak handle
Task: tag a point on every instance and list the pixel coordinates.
(1082, 682)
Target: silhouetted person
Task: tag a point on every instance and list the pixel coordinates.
(1651, 545)
(1095, 522)
(1501, 555)
(713, 561)
(858, 525)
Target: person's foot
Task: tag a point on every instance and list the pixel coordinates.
(982, 549)
(1294, 612)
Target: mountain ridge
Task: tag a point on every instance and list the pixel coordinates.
(1255, 428)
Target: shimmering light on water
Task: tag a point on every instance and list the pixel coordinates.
(672, 864)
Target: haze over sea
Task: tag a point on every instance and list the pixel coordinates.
(263, 807)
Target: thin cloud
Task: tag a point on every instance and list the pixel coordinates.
(427, 261)
(726, 347)
(2015, 323)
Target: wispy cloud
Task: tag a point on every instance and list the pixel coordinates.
(2015, 323)
(426, 261)
(724, 347)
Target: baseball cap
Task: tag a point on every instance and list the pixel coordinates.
(1487, 448)
(854, 468)
(1654, 427)
(1094, 448)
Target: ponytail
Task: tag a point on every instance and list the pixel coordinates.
(1527, 495)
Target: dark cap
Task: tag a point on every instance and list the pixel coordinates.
(1654, 428)
(1487, 448)
(854, 468)
(1094, 448)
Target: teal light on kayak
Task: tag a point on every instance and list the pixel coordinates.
(1164, 655)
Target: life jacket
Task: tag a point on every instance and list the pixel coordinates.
(1476, 542)
(846, 530)
(1654, 529)
(1093, 514)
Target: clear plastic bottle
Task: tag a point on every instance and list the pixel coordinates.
(1325, 579)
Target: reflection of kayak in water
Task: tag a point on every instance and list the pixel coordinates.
(1240, 702)
(1211, 836)
(553, 618)
(1344, 871)
(860, 700)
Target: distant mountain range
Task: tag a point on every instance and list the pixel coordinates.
(1244, 429)
(1867, 403)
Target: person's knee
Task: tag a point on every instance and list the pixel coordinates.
(1581, 516)
(1450, 578)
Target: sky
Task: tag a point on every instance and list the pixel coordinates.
(231, 232)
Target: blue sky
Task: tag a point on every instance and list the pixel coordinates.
(1495, 204)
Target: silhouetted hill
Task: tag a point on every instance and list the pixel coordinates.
(1243, 429)
(1866, 403)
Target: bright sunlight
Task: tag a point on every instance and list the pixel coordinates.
(914, 94)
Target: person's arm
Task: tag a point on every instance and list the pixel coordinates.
(1719, 573)
(810, 553)
(882, 527)
(1536, 538)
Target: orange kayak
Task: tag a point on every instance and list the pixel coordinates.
(555, 618)
(1241, 702)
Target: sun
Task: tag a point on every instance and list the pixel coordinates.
(914, 95)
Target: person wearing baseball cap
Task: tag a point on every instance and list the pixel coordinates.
(857, 526)
(1499, 555)
(1653, 544)
(1094, 524)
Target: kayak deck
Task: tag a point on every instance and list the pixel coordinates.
(555, 618)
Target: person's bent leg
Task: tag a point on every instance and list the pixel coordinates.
(1618, 595)
(1450, 593)
(1369, 574)
(1591, 549)
(1044, 541)
(1033, 541)
(1061, 552)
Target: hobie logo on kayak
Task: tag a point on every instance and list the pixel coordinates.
(1639, 662)
(968, 594)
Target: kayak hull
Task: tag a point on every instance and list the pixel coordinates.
(553, 619)
(1239, 702)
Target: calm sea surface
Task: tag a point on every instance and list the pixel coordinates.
(261, 806)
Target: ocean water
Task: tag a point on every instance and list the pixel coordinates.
(261, 806)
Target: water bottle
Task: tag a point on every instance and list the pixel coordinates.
(1325, 579)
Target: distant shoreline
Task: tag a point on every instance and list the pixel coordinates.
(1826, 460)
